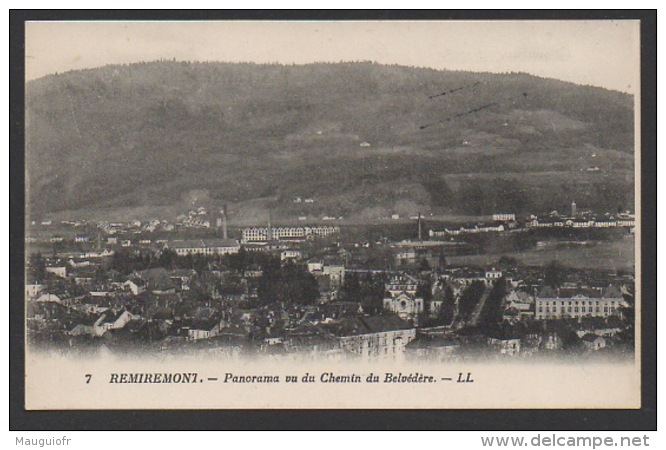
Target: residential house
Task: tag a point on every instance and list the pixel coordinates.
(157, 280)
(59, 271)
(32, 290)
(61, 298)
(593, 342)
(182, 278)
(340, 310)
(518, 305)
(113, 320)
(136, 285)
(85, 326)
(551, 341)
(505, 345)
(202, 329)
(432, 348)
(606, 327)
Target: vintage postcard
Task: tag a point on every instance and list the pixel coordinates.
(332, 214)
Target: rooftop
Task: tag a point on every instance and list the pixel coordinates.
(200, 243)
(367, 325)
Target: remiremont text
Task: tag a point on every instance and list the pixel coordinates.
(147, 378)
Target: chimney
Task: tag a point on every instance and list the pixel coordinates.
(224, 222)
(269, 233)
(419, 220)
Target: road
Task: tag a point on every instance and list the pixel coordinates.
(476, 314)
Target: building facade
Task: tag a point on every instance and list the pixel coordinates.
(504, 217)
(552, 304)
(401, 299)
(261, 234)
(208, 247)
(374, 336)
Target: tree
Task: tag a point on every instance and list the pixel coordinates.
(372, 293)
(289, 284)
(447, 312)
(423, 291)
(507, 262)
(126, 262)
(627, 336)
(37, 266)
(239, 261)
(492, 309)
(100, 274)
(553, 274)
(200, 263)
(470, 297)
(231, 285)
(168, 259)
(351, 290)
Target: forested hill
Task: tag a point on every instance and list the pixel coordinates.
(362, 139)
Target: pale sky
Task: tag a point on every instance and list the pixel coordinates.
(599, 53)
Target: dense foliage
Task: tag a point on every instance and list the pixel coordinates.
(470, 298)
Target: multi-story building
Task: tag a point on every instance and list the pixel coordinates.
(562, 304)
(406, 256)
(336, 273)
(495, 227)
(290, 254)
(466, 277)
(207, 247)
(261, 234)
(382, 336)
(626, 222)
(504, 217)
(333, 271)
(581, 223)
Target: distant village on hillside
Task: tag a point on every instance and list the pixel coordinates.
(322, 290)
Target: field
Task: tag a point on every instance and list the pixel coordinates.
(617, 254)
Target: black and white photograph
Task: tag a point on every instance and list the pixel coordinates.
(332, 214)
